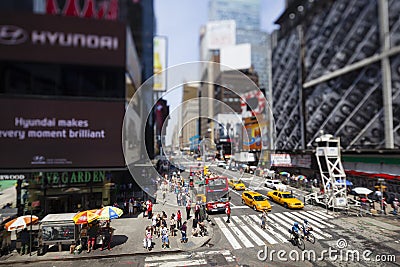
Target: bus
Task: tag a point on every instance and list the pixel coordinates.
(216, 193)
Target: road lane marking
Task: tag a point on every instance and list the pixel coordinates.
(300, 218)
(235, 244)
(246, 242)
(247, 230)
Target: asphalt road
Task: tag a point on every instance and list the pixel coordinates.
(340, 240)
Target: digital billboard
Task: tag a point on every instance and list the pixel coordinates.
(60, 39)
(49, 133)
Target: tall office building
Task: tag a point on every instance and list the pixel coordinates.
(66, 96)
(246, 14)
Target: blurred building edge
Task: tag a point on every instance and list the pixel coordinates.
(65, 76)
(335, 69)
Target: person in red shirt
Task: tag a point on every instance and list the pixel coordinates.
(149, 205)
(188, 207)
(228, 212)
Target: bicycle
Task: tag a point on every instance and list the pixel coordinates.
(297, 240)
(309, 236)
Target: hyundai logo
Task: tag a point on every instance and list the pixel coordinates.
(12, 35)
(38, 158)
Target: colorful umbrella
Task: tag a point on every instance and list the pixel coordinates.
(86, 216)
(21, 222)
(301, 177)
(109, 213)
(284, 173)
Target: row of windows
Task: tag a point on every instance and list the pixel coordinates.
(17, 78)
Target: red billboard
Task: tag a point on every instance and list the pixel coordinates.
(49, 133)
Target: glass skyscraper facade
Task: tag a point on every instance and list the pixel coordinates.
(246, 14)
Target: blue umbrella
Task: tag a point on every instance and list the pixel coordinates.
(341, 182)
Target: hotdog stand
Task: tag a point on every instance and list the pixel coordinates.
(57, 229)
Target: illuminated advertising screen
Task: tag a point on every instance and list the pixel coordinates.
(45, 133)
(60, 39)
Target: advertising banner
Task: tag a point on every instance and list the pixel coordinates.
(160, 63)
(59, 39)
(44, 133)
(220, 33)
(252, 141)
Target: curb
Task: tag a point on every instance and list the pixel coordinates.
(69, 258)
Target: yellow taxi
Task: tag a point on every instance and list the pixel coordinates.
(255, 200)
(286, 199)
(236, 184)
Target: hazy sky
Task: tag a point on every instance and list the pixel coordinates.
(180, 21)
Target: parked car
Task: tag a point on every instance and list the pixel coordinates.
(286, 199)
(256, 201)
(275, 184)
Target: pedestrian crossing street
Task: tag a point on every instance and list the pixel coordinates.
(244, 231)
(207, 258)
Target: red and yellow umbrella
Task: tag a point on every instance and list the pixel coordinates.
(21, 222)
(86, 216)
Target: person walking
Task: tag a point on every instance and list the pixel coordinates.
(164, 237)
(228, 212)
(107, 234)
(263, 219)
(172, 224)
(149, 206)
(395, 206)
(148, 238)
(130, 207)
(24, 241)
(188, 208)
(179, 219)
(197, 211)
(183, 232)
(92, 234)
(383, 205)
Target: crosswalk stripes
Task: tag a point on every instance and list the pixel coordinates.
(270, 230)
(317, 232)
(247, 230)
(235, 244)
(300, 218)
(173, 260)
(257, 228)
(313, 220)
(310, 217)
(246, 242)
(319, 216)
(185, 259)
(323, 213)
(244, 230)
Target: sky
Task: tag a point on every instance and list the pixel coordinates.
(180, 21)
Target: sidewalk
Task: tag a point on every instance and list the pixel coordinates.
(127, 239)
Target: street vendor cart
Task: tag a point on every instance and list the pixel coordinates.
(57, 229)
